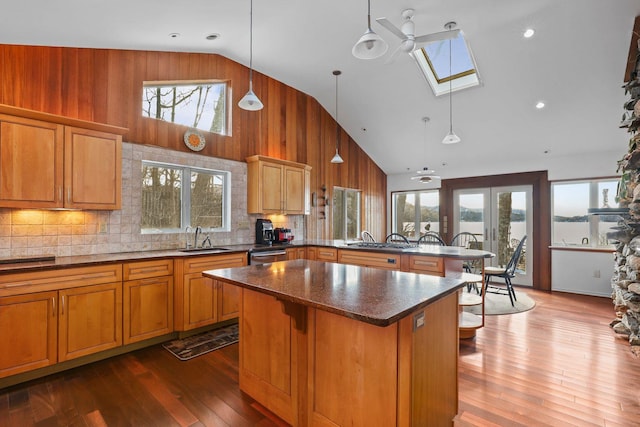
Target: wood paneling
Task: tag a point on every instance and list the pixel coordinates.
(105, 86)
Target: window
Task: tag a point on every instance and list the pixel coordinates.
(571, 223)
(414, 213)
(201, 105)
(169, 206)
(346, 213)
(433, 61)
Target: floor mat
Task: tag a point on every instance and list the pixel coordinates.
(196, 345)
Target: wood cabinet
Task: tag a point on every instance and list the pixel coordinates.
(321, 253)
(49, 161)
(147, 299)
(200, 301)
(277, 186)
(384, 261)
(90, 320)
(296, 253)
(29, 337)
(57, 315)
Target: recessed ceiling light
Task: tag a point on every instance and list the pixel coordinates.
(540, 105)
(528, 33)
(212, 36)
(174, 35)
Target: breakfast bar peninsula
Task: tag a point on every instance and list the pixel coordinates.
(327, 344)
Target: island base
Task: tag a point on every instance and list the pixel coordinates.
(315, 368)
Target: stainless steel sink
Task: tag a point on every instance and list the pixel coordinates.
(213, 249)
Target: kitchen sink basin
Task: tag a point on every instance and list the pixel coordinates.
(213, 249)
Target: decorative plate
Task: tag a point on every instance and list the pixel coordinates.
(194, 139)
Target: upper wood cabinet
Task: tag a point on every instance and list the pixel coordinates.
(277, 186)
(48, 161)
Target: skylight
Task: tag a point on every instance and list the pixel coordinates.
(433, 61)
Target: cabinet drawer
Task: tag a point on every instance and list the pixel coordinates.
(202, 263)
(146, 269)
(370, 259)
(425, 264)
(51, 280)
(327, 254)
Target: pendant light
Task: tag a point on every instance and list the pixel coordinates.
(370, 45)
(337, 158)
(451, 137)
(250, 101)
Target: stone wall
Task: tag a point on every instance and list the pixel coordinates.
(626, 278)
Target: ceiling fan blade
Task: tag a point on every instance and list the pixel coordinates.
(394, 55)
(436, 37)
(392, 28)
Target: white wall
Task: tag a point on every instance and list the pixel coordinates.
(576, 271)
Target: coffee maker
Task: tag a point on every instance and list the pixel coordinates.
(264, 232)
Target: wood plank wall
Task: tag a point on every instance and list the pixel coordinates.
(105, 86)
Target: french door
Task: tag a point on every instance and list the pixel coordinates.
(499, 217)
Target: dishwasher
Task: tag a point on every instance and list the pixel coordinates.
(265, 256)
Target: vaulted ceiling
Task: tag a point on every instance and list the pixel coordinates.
(575, 63)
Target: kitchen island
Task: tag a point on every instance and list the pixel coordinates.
(326, 344)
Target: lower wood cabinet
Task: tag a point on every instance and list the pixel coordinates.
(200, 301)
(296, 253)
(89, 320)
(384, 261)
(29, 332)
(147, 300)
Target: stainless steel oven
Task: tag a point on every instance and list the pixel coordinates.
(266, 256)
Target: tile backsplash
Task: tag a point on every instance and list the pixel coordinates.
(63, 233)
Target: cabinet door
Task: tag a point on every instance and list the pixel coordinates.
(148, 308)
(200, 301)
(228, 301)
(272, 198)
(90, 320)
(31, 159)
(92, 169)
(294, 187)
(29, 338)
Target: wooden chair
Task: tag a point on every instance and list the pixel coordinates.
(396, 238)
(431, 238)
(467, 240)
(507, 273)
(367, 237)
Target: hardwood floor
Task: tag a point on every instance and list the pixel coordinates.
(559, 364)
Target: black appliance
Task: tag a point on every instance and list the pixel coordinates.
(264, 232)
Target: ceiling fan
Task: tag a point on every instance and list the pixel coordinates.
(406, 33)
(425, 175)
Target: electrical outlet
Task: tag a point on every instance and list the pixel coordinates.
(596, 274)
(103, 228)
(243, 225)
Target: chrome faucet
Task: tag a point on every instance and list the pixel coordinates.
(195, 237)
(186, 236)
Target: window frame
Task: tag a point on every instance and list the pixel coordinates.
(593, 221)
(185, 198)
(345, 225)
(227, 125)
(416, 193)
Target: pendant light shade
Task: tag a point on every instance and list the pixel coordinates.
(451, 137)
(337, 158)
(250, 101)
(370, 45)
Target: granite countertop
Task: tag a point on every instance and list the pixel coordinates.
(378, 297)
(50, 262)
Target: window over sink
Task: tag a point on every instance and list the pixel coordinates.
(346, 213)
(175, 197)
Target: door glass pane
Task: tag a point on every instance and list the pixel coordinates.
(471, 215)
(406, 215)
(512, 225)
